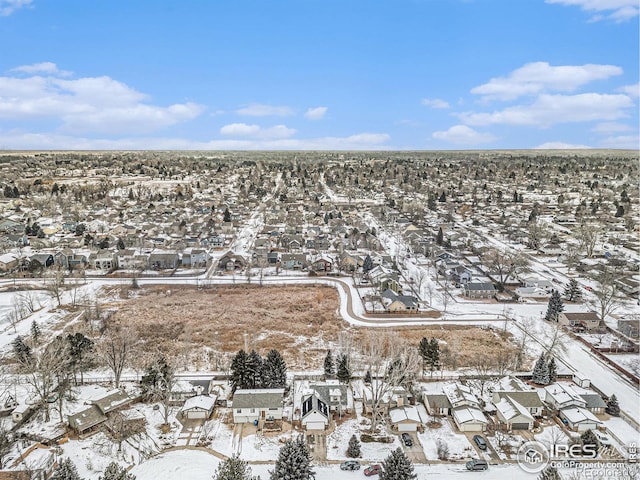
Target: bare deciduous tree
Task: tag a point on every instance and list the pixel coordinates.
(504, 264)
(379, 352)
(115, 350)
(608, 295)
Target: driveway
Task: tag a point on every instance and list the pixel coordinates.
(415, 452)
(489, 454)
(318, 445)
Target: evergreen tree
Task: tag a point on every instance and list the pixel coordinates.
(424, 352)
(35, 332)
(80, 349)
(367, 377)
(589, 438)
(255, 369)
(294, 462)
(367, 264)
(541, 372)
(22, 351)
(554, 308)
(157, 377)
(612, 406)
(120, 244)
(227, 215)
(66, 470)
(440, 236)
(573, 292)
(233, 468)
(328, 365)
(443, 198)
(354, 447)
(344, 373)
(550, 473)
(397, 467)
(240, 375)
(553, 370)
(275, 370)
(434, 355)
(116, 472)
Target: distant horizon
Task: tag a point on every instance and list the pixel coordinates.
(407, 75)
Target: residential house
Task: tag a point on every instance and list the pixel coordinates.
(579, 419)
(293, 261)
(513, 415)
(335, 394)
(184, 389)
(560, 396)
(437, 404)
(629, 327)
(257, 404)
(199, 407)
(587, 320)
(399, 303)
(405, 419)
(479, 290)
(38, 462)
(8, 262)
(88, 419)
(230, 262)
(594, 402)
(164, 261)
(105, 260)
(69, 260)
(315, 412)
(469, 419)
(195, 258)
(40, 261)
(322, 264)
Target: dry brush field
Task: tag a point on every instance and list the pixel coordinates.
(203, 327)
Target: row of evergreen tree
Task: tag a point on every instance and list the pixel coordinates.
(67, 470)
(250, 370)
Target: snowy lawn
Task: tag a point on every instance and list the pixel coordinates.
(458, 445)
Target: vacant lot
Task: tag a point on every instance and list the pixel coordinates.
(202, 327)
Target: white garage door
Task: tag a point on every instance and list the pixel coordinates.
(407, 427)
(196, 414)
(315, 426)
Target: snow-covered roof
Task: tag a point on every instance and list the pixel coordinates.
(468, 414)
(404, 414)
(510, 409)
(577, 415)
(561, 394)
(202, 402)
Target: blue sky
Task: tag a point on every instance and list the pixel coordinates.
(311, 74)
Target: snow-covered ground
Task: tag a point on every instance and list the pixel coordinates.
(458, 445)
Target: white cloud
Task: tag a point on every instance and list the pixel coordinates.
(90, 104)
(617, 10)
(631, 90)
(627, 142)
(435, 103)
(463, 135)
(537, 77)
(611, 127)
(548, 110)
(261, 110)
(7, 7)
(560, 146)
(38, 141)
(244, 130)
(315, 113)
(48, 68)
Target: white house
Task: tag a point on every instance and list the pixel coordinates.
(469, 419)
(560, 396)
(513, 415)
(315, 412)
(580, 419)
(198, 407)
(262, 403)
(405, 419)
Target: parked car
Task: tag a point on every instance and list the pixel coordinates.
(406, 439)
(373, 470)
(602, 438)
(482, 444)
(350, 465)
(476, 464)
